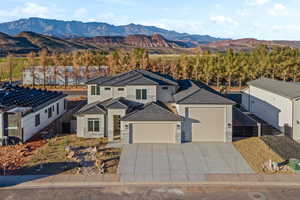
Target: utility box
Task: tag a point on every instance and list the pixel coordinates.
(295, 164)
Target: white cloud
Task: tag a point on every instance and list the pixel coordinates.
(30, 9)
(220, 19)
(33, 9)
(257, 2)
(278, 9)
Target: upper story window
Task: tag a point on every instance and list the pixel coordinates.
(107, 88)
(165, 88)
(95, 90)
(141, 94)
(121, 89)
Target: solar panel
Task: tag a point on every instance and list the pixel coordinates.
(25, 97)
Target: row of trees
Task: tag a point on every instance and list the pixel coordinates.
(228, 68)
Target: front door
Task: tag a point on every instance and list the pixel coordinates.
(117, 127)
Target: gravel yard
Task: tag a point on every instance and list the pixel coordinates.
(61, 154)
(256, 152)
(283, 146)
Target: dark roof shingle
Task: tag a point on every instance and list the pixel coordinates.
(134, 77)
(101, 107)
(195, 92)
(154, 111)
(282, 88)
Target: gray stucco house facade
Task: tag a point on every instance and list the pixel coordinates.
(141, 106)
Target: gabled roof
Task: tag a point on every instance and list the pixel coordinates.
(92, 108)
(119, 103)
(286, 89)
(195, 92)
(102, 107)
(154, 111)
(134, 77)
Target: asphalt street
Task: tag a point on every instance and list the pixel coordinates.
(157, 193)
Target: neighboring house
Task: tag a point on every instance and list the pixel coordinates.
(276, 102)
(146, 107)
(24, 111)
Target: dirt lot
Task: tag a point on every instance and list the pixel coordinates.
(51, 157)
(15, 156)
(257, 152)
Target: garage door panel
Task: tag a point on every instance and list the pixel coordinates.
(208, 124)
(154, 133)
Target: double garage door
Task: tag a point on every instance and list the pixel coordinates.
(208, 124)
(205, 125)
(153, 133)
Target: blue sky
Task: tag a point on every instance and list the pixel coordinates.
(262, 19)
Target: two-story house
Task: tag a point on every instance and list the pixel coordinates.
(146, 107)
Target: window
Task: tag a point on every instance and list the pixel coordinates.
(49, 112)
(46, 111)
(65, 104)
(93, 125)
(120, 89)
(165, 88)
(141, 94)
(107, 88)
(37, 120)
(95, 90)
(57, 108)
(53, 108)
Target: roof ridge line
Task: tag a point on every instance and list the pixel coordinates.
(116, 76)
(117, 100)
(190, 94)
(167, 109)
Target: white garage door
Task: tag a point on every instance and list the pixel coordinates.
(207, 124)
(153, 133)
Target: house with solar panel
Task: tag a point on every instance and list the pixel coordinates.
(141, 106)
(24, 111)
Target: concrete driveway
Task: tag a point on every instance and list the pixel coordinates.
(179, 162)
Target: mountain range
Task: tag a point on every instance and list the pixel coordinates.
(75, 29)
(247, 44)
(33, 34)
(26, 42)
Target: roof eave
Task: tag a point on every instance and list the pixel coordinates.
(184, 103)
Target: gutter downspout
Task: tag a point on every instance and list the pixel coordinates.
(1, 124)
(293, 107)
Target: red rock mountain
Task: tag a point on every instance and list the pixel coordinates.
(142, 41)
(247, 44)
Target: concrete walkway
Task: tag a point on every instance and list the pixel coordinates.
(179, 162)
(64, 181)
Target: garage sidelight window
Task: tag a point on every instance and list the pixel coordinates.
(141, 94)
(93, 125)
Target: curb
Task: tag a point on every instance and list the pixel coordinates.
(182, 184)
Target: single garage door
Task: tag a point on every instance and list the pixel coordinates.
(153, 133)
(208, 125)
